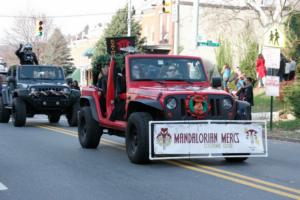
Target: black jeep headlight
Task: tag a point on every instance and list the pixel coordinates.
(171, 103)
(32, 90)
(227, 104)
(66, 90)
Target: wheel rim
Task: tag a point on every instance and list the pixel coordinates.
(83, 129)
(13, 114)
(133, 140)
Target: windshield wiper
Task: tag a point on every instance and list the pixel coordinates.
(149, 79)
(185, 80)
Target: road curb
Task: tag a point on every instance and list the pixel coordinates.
(284, 139)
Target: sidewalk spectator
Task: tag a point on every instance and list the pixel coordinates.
(75, 85)
(240, 82)
(245, 93)
(249, 91)
(102, 85)
(287, 70)
(292, 68)
(261, 70)
(226, 73)
(70, 82)
(236, 76)
(281, 70)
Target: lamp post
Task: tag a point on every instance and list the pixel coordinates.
(176, 27)
(129, 19)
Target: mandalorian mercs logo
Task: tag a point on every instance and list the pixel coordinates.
(197, 106)
(251, 135)
(164, 138)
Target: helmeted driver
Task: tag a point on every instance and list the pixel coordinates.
(26, 56)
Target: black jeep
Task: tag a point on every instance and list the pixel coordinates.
(37, 89)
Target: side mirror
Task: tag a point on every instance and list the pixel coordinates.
(216, 82)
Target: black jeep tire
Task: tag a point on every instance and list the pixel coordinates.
(89, 131)
(54, 118)
(244, 156)
(4, 113)
(72, 114)
(137, 137)
(236, 159)
(18, 112)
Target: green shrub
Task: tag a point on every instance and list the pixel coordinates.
(292, 96)
(224, 54)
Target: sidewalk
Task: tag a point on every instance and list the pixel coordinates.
(265, 116)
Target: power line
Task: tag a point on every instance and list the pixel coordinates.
(62, 16)
(58, 16)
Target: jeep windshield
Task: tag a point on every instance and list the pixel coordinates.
(41, 73)
(167, 69)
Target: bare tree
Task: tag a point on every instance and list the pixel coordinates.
(24, 30)
(271, 12)
(58, 52)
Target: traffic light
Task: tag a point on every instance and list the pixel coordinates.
(39, 28)
(166, 6)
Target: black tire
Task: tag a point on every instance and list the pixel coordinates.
(137, 137)
(54, 118)
(236, 159)
(72, 114)
(4, 113)
(89, 131)
(243, 156)
(18, 112)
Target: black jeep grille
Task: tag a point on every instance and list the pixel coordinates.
(216, 108)
(58, 89)
(215, 105)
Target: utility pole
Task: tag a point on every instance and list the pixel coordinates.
(195, 23)
(129, 19)
(176, 27)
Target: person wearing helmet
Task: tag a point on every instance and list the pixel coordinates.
(26, 56)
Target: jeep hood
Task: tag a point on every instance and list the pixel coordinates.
(155, 91)
(41, 84)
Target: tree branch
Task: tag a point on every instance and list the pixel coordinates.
(258, 9)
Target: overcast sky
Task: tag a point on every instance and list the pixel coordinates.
(68, 25)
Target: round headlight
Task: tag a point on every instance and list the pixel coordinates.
(227, 104)
(32, 89)
(171, 103)
(66, 90)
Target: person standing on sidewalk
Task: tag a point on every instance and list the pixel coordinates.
(292, 68)
(226, 73)
(261, 70)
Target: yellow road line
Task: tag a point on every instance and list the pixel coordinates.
(72, 133)
(243, 182)
(274, 185)
(204, 169)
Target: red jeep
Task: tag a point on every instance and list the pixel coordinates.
(146, 88)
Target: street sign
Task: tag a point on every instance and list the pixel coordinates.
(272, 86)
(272, 57)
(208, 43)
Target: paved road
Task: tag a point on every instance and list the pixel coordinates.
(43, 161)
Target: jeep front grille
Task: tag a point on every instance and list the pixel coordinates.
(182, 112)
(58, 89)
(215, 105)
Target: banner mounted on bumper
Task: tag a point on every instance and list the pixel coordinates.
(197, 139)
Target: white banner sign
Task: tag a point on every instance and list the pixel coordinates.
(194, 139)
(272, 57)
(272, 85)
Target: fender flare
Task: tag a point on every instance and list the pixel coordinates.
(91, 103)
(154, 104)
(243, 109)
